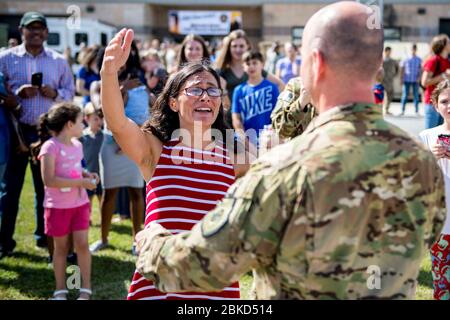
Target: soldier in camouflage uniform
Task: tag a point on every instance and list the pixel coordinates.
(343, 211)
(390, 69)
(293, 111)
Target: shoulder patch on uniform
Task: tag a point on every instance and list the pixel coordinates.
(214, 222)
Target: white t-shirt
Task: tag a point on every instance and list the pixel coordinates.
(429, 138)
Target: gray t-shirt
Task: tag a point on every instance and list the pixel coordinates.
(91, 148)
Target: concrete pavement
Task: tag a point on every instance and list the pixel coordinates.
(409, 122)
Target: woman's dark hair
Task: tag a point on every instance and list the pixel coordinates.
(133, 65)
(53, 122)
(164, 121)
(252, 55)
(100, 56)
(181, 58)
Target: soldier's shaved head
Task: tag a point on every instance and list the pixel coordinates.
(342, 33)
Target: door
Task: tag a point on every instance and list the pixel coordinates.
(444, 26)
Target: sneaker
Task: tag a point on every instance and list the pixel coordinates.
(120, 218)
(98, 245)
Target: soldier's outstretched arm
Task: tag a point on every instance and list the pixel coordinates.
(242, 232)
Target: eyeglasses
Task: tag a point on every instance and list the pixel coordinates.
(198, 92)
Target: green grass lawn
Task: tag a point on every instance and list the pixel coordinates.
(26, 275)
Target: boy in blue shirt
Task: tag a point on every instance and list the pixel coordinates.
(254, 100)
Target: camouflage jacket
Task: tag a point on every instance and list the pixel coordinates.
(390, 68)
(344, 211)
(289, 118)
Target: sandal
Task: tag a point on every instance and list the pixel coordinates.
(60, 295)
(86, 291)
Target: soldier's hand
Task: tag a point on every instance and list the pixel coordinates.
(117, 52)
(146, 236)
(305, 97)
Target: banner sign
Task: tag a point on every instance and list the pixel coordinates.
(214, 23)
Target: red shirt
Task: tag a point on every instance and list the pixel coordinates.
(430, 66)
(187, 184)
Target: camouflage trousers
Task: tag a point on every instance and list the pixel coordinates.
(440, 268)
(388, 97)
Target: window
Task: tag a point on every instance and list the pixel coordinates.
(53, 39)
(81, 37)
(104, 39)
(297, 34)
(392, 34)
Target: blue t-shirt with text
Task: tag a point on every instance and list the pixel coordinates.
(255, 104)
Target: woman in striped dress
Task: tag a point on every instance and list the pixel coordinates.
(179, 152)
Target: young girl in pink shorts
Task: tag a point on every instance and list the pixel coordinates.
(66, 203)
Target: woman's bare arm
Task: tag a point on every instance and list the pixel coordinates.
(141, 147)
(80, 87)
(429, 80)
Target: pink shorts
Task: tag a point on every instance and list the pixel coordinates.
(61, 222)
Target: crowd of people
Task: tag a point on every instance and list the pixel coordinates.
(153, 121)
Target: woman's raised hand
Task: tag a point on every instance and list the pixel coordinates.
(117, 51)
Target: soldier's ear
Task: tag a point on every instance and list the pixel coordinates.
(318, 65)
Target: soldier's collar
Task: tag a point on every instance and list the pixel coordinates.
(348, 112)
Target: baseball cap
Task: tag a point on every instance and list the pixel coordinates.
(32, 16)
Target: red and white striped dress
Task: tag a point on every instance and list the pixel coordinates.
(187, 184)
